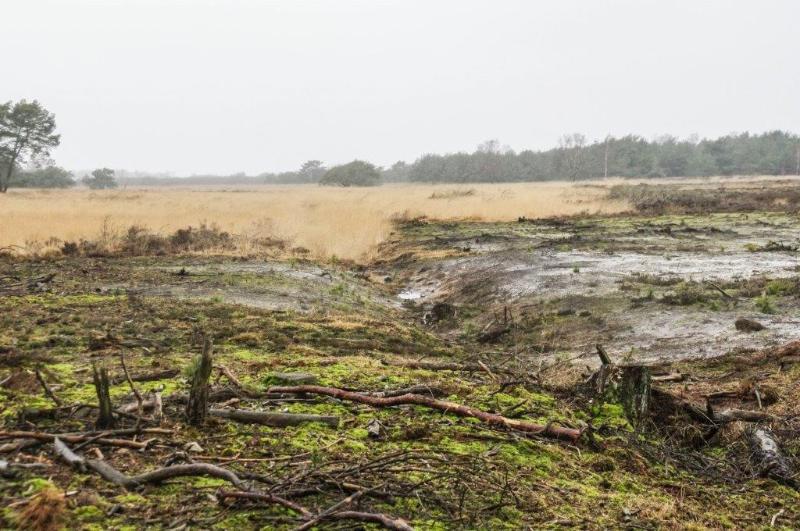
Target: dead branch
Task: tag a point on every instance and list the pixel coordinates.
(768, 458)
(672, 377)
(230, 376)
(442, 366)
(9, 470)
(146, 406)
(72, 459)
(148, 377)
(386, 521)
(269, 418)
(555, 432)
(732, 415)
(397, 524)
(268, 498)
(414, 389)
(49, 437)
(135, 391)
(158, 475)
(47, 390)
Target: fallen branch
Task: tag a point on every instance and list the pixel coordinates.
(72, 459)
(158, 475)
(147, 377)
(269, 418)
(673, 377)
(396, 524)
(732, 415)
(414, 389)
(555, 432)
(9, 470)
(47, 391)
(269, 498)
(138, 396)
(230, 376)
(442, 366)
(49, 437)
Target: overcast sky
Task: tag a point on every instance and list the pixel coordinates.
(234, 85)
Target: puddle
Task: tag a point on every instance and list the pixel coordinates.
(410, 295)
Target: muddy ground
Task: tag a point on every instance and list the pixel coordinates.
(508, 314)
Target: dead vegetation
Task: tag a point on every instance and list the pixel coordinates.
(657, 199)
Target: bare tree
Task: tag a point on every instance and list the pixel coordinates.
(573, 154)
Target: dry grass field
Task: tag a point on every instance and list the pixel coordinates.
(342, 222)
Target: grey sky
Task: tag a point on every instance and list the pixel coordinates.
(252, 86)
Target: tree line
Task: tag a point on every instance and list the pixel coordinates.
(27, 134)
(771, 153)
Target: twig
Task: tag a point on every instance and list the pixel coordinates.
(47, 391)
(330, 510)
(230, 376)
(133, 388)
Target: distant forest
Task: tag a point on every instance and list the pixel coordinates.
(575, 158)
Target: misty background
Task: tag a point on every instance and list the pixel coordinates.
(210, 87)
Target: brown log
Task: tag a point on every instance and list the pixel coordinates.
(269, 418)
(197, 406)
(555, 432)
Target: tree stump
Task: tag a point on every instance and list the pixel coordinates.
(197, 406)
(626, 385)
(105, 418)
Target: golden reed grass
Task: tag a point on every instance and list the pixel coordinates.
(344, 222)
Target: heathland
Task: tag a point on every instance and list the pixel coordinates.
(612, 354)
